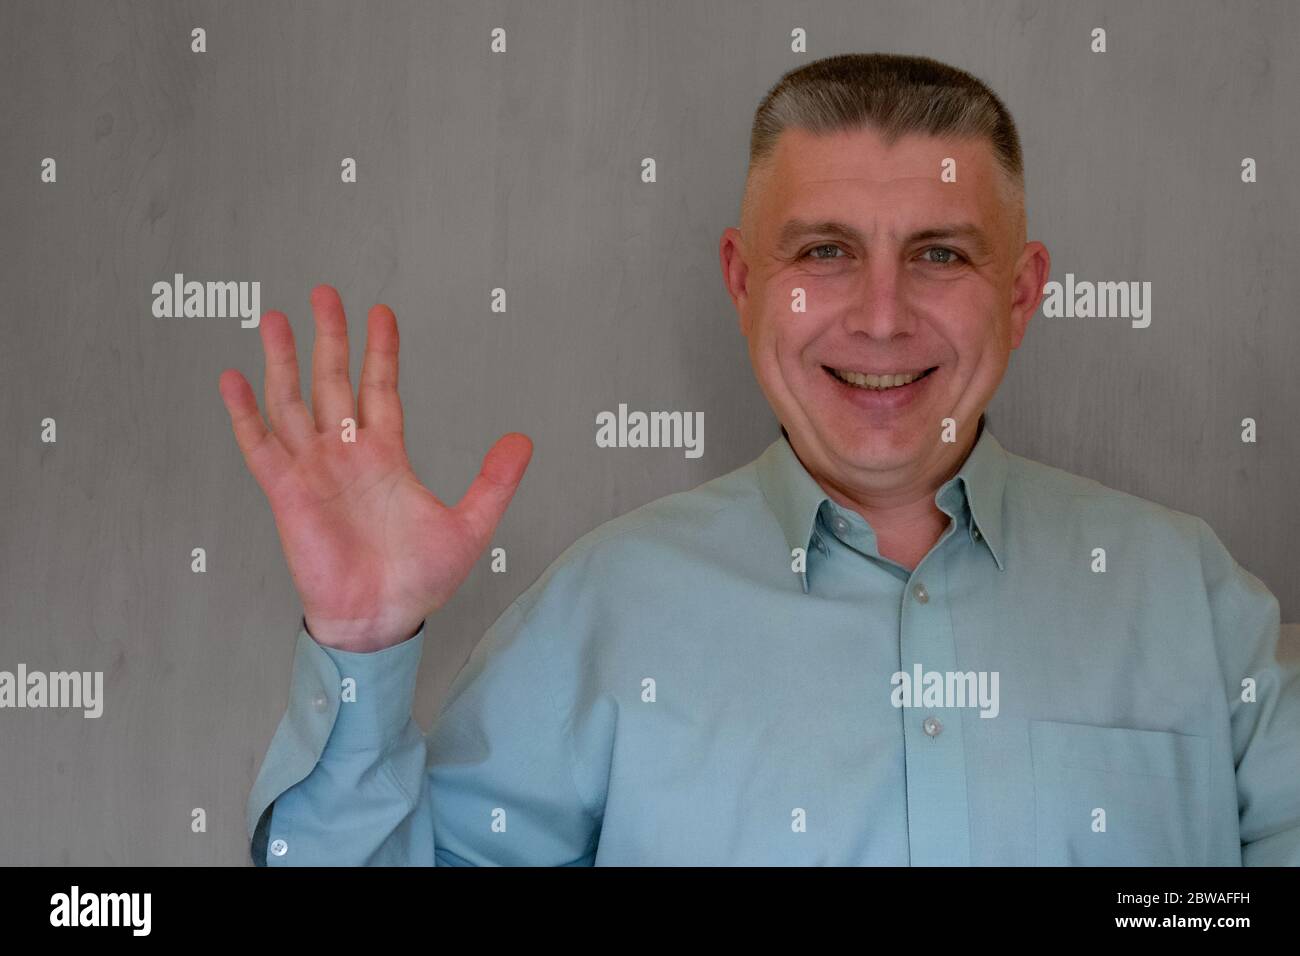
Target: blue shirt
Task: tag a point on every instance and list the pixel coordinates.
(735, 675)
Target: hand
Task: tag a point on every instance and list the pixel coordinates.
(372, 552)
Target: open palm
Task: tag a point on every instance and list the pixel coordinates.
(372, 552)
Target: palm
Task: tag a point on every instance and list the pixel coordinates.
(362, 536)
(371, 550)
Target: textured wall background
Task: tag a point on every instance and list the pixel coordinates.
(522, 171)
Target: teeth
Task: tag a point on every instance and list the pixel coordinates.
(878, 382)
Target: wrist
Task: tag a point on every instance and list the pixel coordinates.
(361, 636)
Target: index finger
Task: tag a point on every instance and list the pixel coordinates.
(266, 458)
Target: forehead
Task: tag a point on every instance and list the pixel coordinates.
(853, 173)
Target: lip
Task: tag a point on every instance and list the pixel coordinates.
(889, 399)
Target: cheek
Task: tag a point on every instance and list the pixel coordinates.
(986, 358)
(967, 321)
(778, 330)
(804, 308)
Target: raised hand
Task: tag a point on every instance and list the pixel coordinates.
(372, 552)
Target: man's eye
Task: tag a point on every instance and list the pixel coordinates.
(827, 245)
(950, 255)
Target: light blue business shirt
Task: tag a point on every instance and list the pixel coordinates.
(710, 679)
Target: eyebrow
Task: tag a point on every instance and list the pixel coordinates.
(795, 229)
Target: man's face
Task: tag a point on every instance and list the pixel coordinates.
(921, 278)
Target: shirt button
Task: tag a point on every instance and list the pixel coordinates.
(932, 726)
(320, 702)
(840, 525)
(920, 593)
(975, 533)
(279, 848)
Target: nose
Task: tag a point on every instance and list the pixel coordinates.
(875, 306)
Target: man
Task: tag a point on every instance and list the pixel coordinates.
(885, 641)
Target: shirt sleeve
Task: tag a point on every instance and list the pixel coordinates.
(350, 779)
(1264, 702)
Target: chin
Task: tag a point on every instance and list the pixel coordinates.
(868, 446)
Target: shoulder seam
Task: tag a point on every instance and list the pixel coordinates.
(1099, 490)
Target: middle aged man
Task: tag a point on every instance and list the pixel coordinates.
(885, 641)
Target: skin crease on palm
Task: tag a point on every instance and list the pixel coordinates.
(373, 553)
(880, 300)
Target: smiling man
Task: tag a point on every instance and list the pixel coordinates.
(916, 291)
(886, 641)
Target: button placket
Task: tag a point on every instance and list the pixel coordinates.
(938, 819)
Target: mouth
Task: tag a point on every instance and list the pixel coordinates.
(879, 382)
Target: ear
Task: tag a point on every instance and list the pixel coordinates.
(735, 273)
(1031, 272)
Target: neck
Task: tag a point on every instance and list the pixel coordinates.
(906, 521)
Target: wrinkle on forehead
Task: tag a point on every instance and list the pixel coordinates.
(918, 202)
(876, 179)
(979, 193)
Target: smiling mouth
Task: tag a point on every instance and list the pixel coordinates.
(877, 383)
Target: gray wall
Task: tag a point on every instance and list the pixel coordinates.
(522, 171)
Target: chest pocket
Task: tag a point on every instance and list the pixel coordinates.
(1151, 786)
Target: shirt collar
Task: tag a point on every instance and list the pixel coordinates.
(795, 497)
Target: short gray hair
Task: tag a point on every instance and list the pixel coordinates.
(894, 95)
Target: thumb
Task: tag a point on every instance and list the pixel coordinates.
(490, 492)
